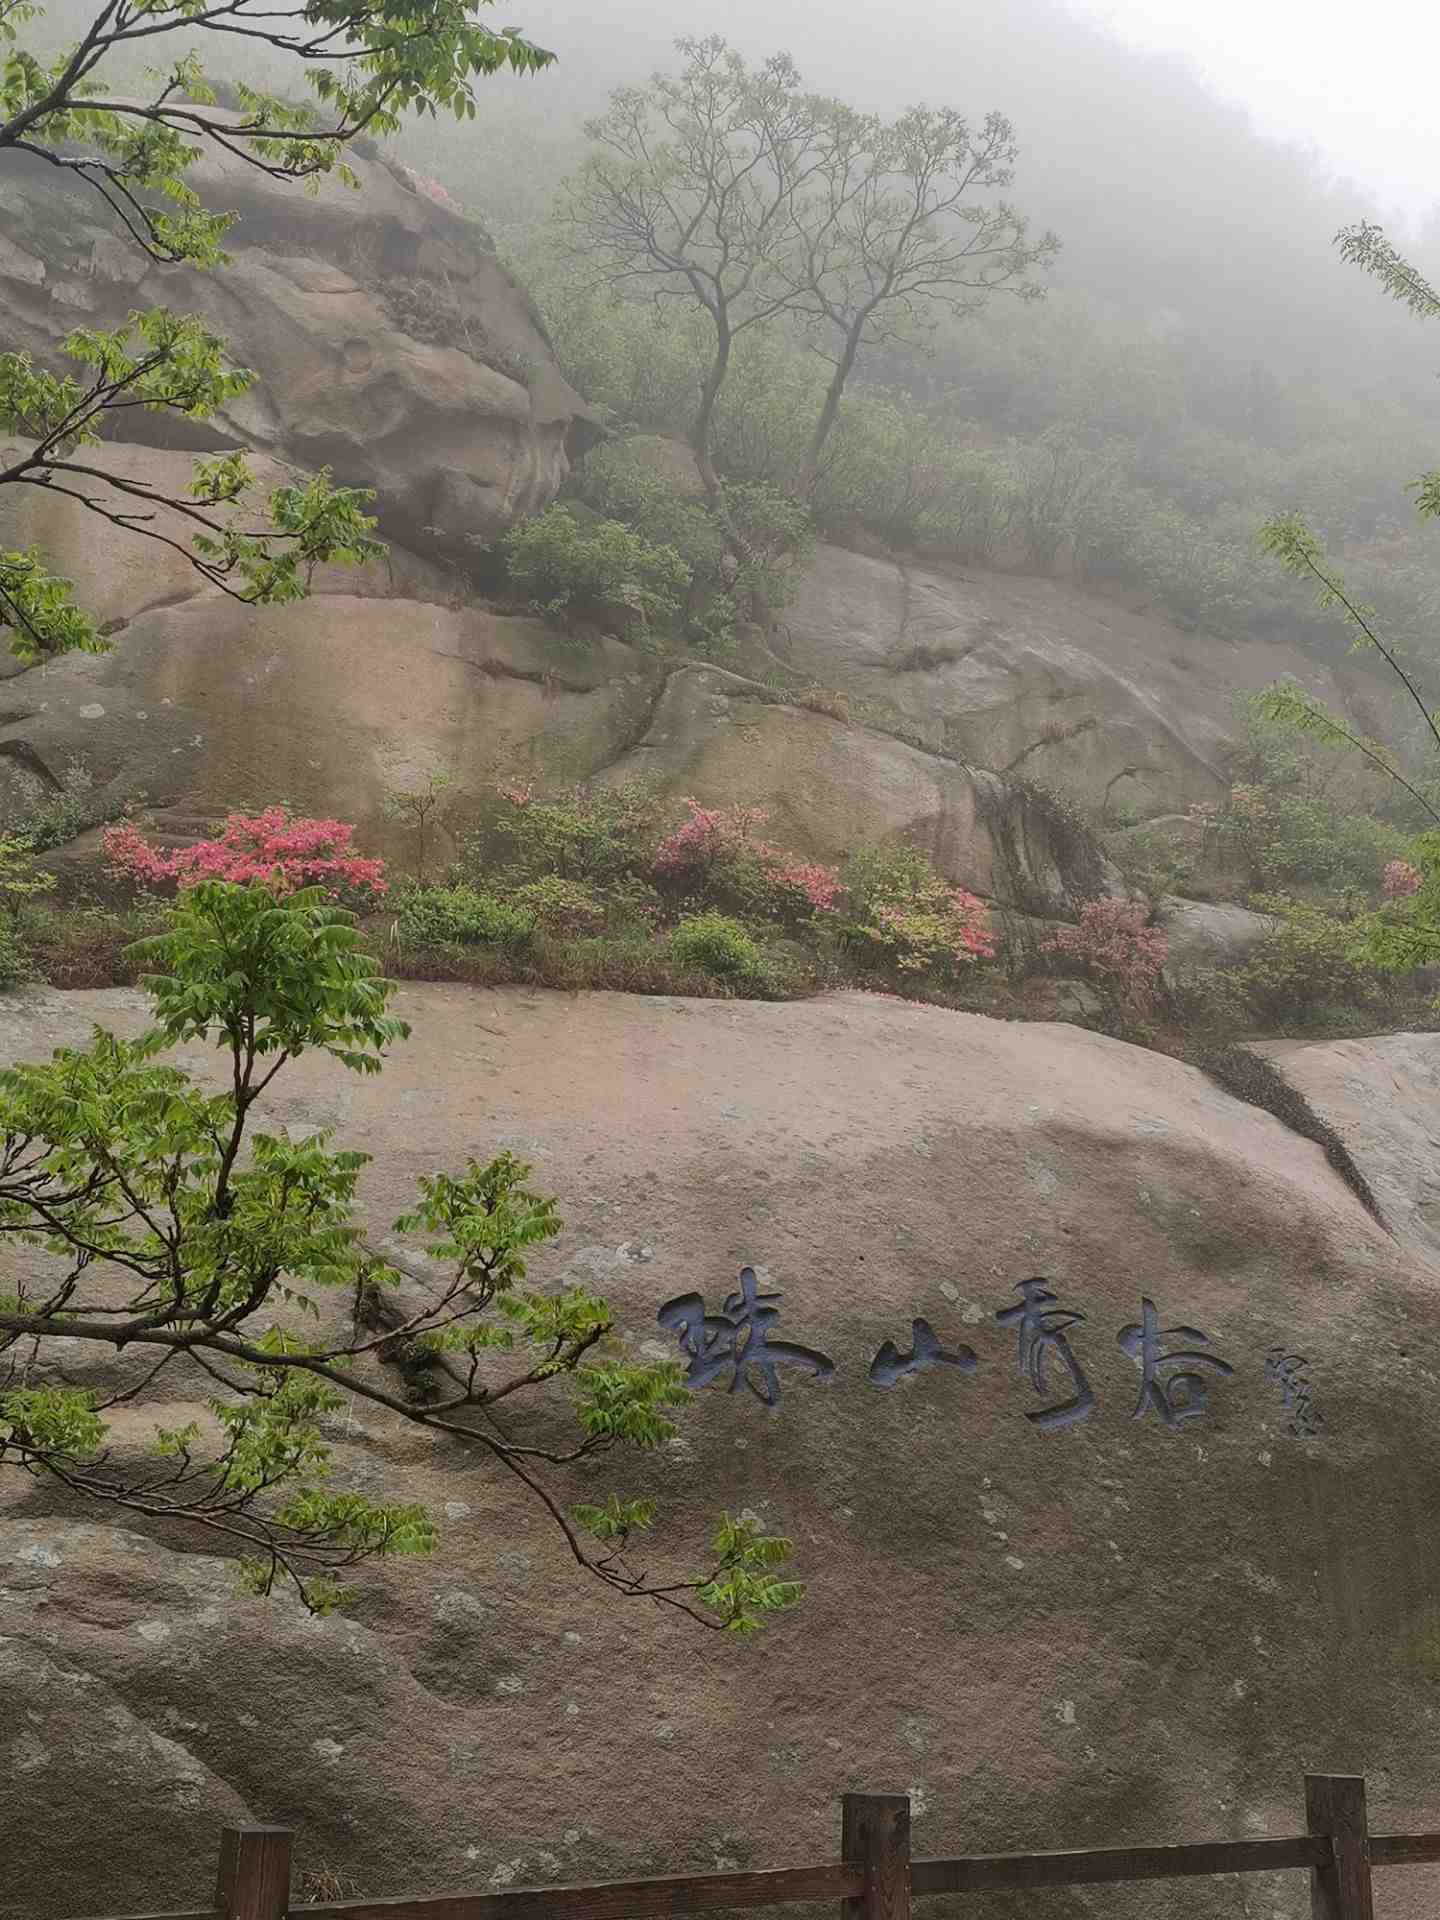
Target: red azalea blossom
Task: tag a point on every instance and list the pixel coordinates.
(1400, 880)
(710, 834)
(1114, 943)
(815, 886)
(269, 847)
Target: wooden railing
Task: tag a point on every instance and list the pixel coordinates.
(874, 1875)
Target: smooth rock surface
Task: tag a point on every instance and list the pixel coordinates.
(1205, 933)
(828, 786)
(1106, 1634)
(1031, 676)
(386, 338)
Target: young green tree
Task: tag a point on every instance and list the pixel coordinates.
(1407, 932)
(899, 224)
(367, 63)
(163, 1224)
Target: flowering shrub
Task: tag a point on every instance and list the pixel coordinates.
(432, 190)
(270, 847)
(1117, 950)
(1399, 880)
(806, 884)
(716, 850)
(953, 933)
(712, 837)
(907, 916)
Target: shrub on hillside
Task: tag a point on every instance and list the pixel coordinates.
(714, 944)
(716, 853)
(560, 907)
(50, 816)
(458, 915)
(900, 913)
(1286, 838)
(708, 845)
(596, 834)
(601, 571)
(1123, 956)
(22, 878)
(1309, 962)
(14, 963)
(281, 852)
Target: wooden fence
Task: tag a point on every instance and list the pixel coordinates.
(874, 1877)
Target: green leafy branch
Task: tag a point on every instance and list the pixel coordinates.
(374, 60)
(176, 1232)
(167, 363)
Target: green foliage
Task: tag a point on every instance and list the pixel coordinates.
(601, 572)
(621, 480)
(53, 815)
(160, 362)
(15, 964)
(1308, 963)
(135, 146)
(741, 564)
(713, 943)
(615, 1401)
(561, 907)
(272, 977)
(1366, 246)
(438, 916)
(21, 878)
(1405, 932)
(745, 1586)
(483, 1220)
(596, 834)
(226, 1239)
(617, 1519)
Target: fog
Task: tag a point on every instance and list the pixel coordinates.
(1204, 355)
(1165, 195)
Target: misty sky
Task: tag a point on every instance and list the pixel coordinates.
(1358, 82)
(1354, 84)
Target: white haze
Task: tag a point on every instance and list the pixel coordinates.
(1357, 84)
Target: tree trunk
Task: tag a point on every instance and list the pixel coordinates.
(810, 474)
(736, 544)
(705, 416)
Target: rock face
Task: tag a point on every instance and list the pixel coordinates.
(381, 677)
(829, 786)
(1028, 676)
(1114, 1632)
(1209, 933)
(1381, 1096)
(388, 341)
(384, 675)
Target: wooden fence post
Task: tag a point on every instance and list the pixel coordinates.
(1335, 1804)
(254, 1881)
(875, 1835)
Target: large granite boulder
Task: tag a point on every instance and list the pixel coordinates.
(387, 339)
(1112, 1632)
(387, 674)
(829, 785)
(382, 677)
(1036, 678)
